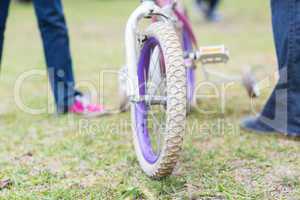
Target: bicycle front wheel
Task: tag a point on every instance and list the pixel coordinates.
(159, 117)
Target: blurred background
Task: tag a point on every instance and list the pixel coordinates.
(96, 31)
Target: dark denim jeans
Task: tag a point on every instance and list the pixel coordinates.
(282, 111)
(212, 5)
(55, 37)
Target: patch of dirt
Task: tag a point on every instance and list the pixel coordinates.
(208, 144)
(244, 172)
(54, 166)
(25, 159)
(84, 178)
(277, 182)
(276, 187)
(283, 141)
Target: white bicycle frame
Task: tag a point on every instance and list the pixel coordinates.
(146, 9)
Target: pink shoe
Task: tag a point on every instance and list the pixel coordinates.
(82, 106)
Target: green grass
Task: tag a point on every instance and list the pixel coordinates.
(49, 157)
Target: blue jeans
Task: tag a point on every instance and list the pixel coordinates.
(282, 110)
(212, 5)
(55, 38)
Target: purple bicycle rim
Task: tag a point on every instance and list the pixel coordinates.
(141, 111)
(188, 47)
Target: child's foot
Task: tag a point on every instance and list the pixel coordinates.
(254, 124)
(82, 106)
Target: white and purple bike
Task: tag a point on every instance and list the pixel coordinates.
(161, 52)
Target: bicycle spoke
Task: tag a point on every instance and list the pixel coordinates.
(155, 86)
(154, 65)
(157, 130)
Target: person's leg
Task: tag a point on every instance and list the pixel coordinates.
(199, 1)
(286, 25)
(201, 6)
(24, 1)
(282, 111)
(4, 5)
(55, 37)
(213, 5)
(54, 32)
(212, 14)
